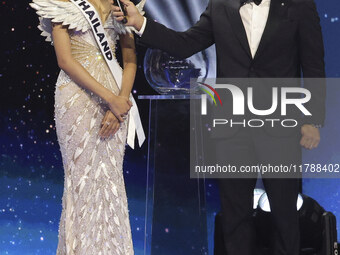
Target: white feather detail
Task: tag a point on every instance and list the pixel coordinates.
(69, 15)
(82, 186)
(78, 152)
(82, 209)
(87, 169)
(56, 11)
(99, 211)
(97, 172)
(106, 218)
(87, 138)
(97, 195)
(93, 121)
(114, 241)
(105, 171)
(98, 236)
(74, 244)
(68, 183)
(106, 195)
(111, 207)
(116, 220)
(112, 159)
(91, 217)
(114, 190)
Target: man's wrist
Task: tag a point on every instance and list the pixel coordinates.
(318, 126)
(140, 28)
(139, 22)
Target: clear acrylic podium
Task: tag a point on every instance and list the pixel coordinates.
(176, 222)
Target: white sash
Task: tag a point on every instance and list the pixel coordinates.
(90, 13)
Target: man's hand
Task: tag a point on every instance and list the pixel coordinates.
(134, 18)
(110, 125)
(310, 136)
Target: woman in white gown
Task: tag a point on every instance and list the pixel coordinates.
(91, 128)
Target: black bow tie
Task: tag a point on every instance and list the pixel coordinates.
(257, 2)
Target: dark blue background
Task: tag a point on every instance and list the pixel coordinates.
(31, 174)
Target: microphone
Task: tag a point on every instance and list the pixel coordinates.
(122, 9)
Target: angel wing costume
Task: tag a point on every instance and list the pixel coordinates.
(94, 218)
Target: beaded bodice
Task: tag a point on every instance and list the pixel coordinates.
(85, 50)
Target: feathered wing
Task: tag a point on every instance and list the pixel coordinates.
(56, 11)
(140, 6)
(69, 15)
(120, 28)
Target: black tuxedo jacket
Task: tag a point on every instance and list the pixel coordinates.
(291, 44)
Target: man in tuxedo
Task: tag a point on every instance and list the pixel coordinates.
(254, 39)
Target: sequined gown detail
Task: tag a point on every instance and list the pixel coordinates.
(94, 218)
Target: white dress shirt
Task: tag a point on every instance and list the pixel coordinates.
(254, 20)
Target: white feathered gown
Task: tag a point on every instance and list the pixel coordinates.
(95, 218)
